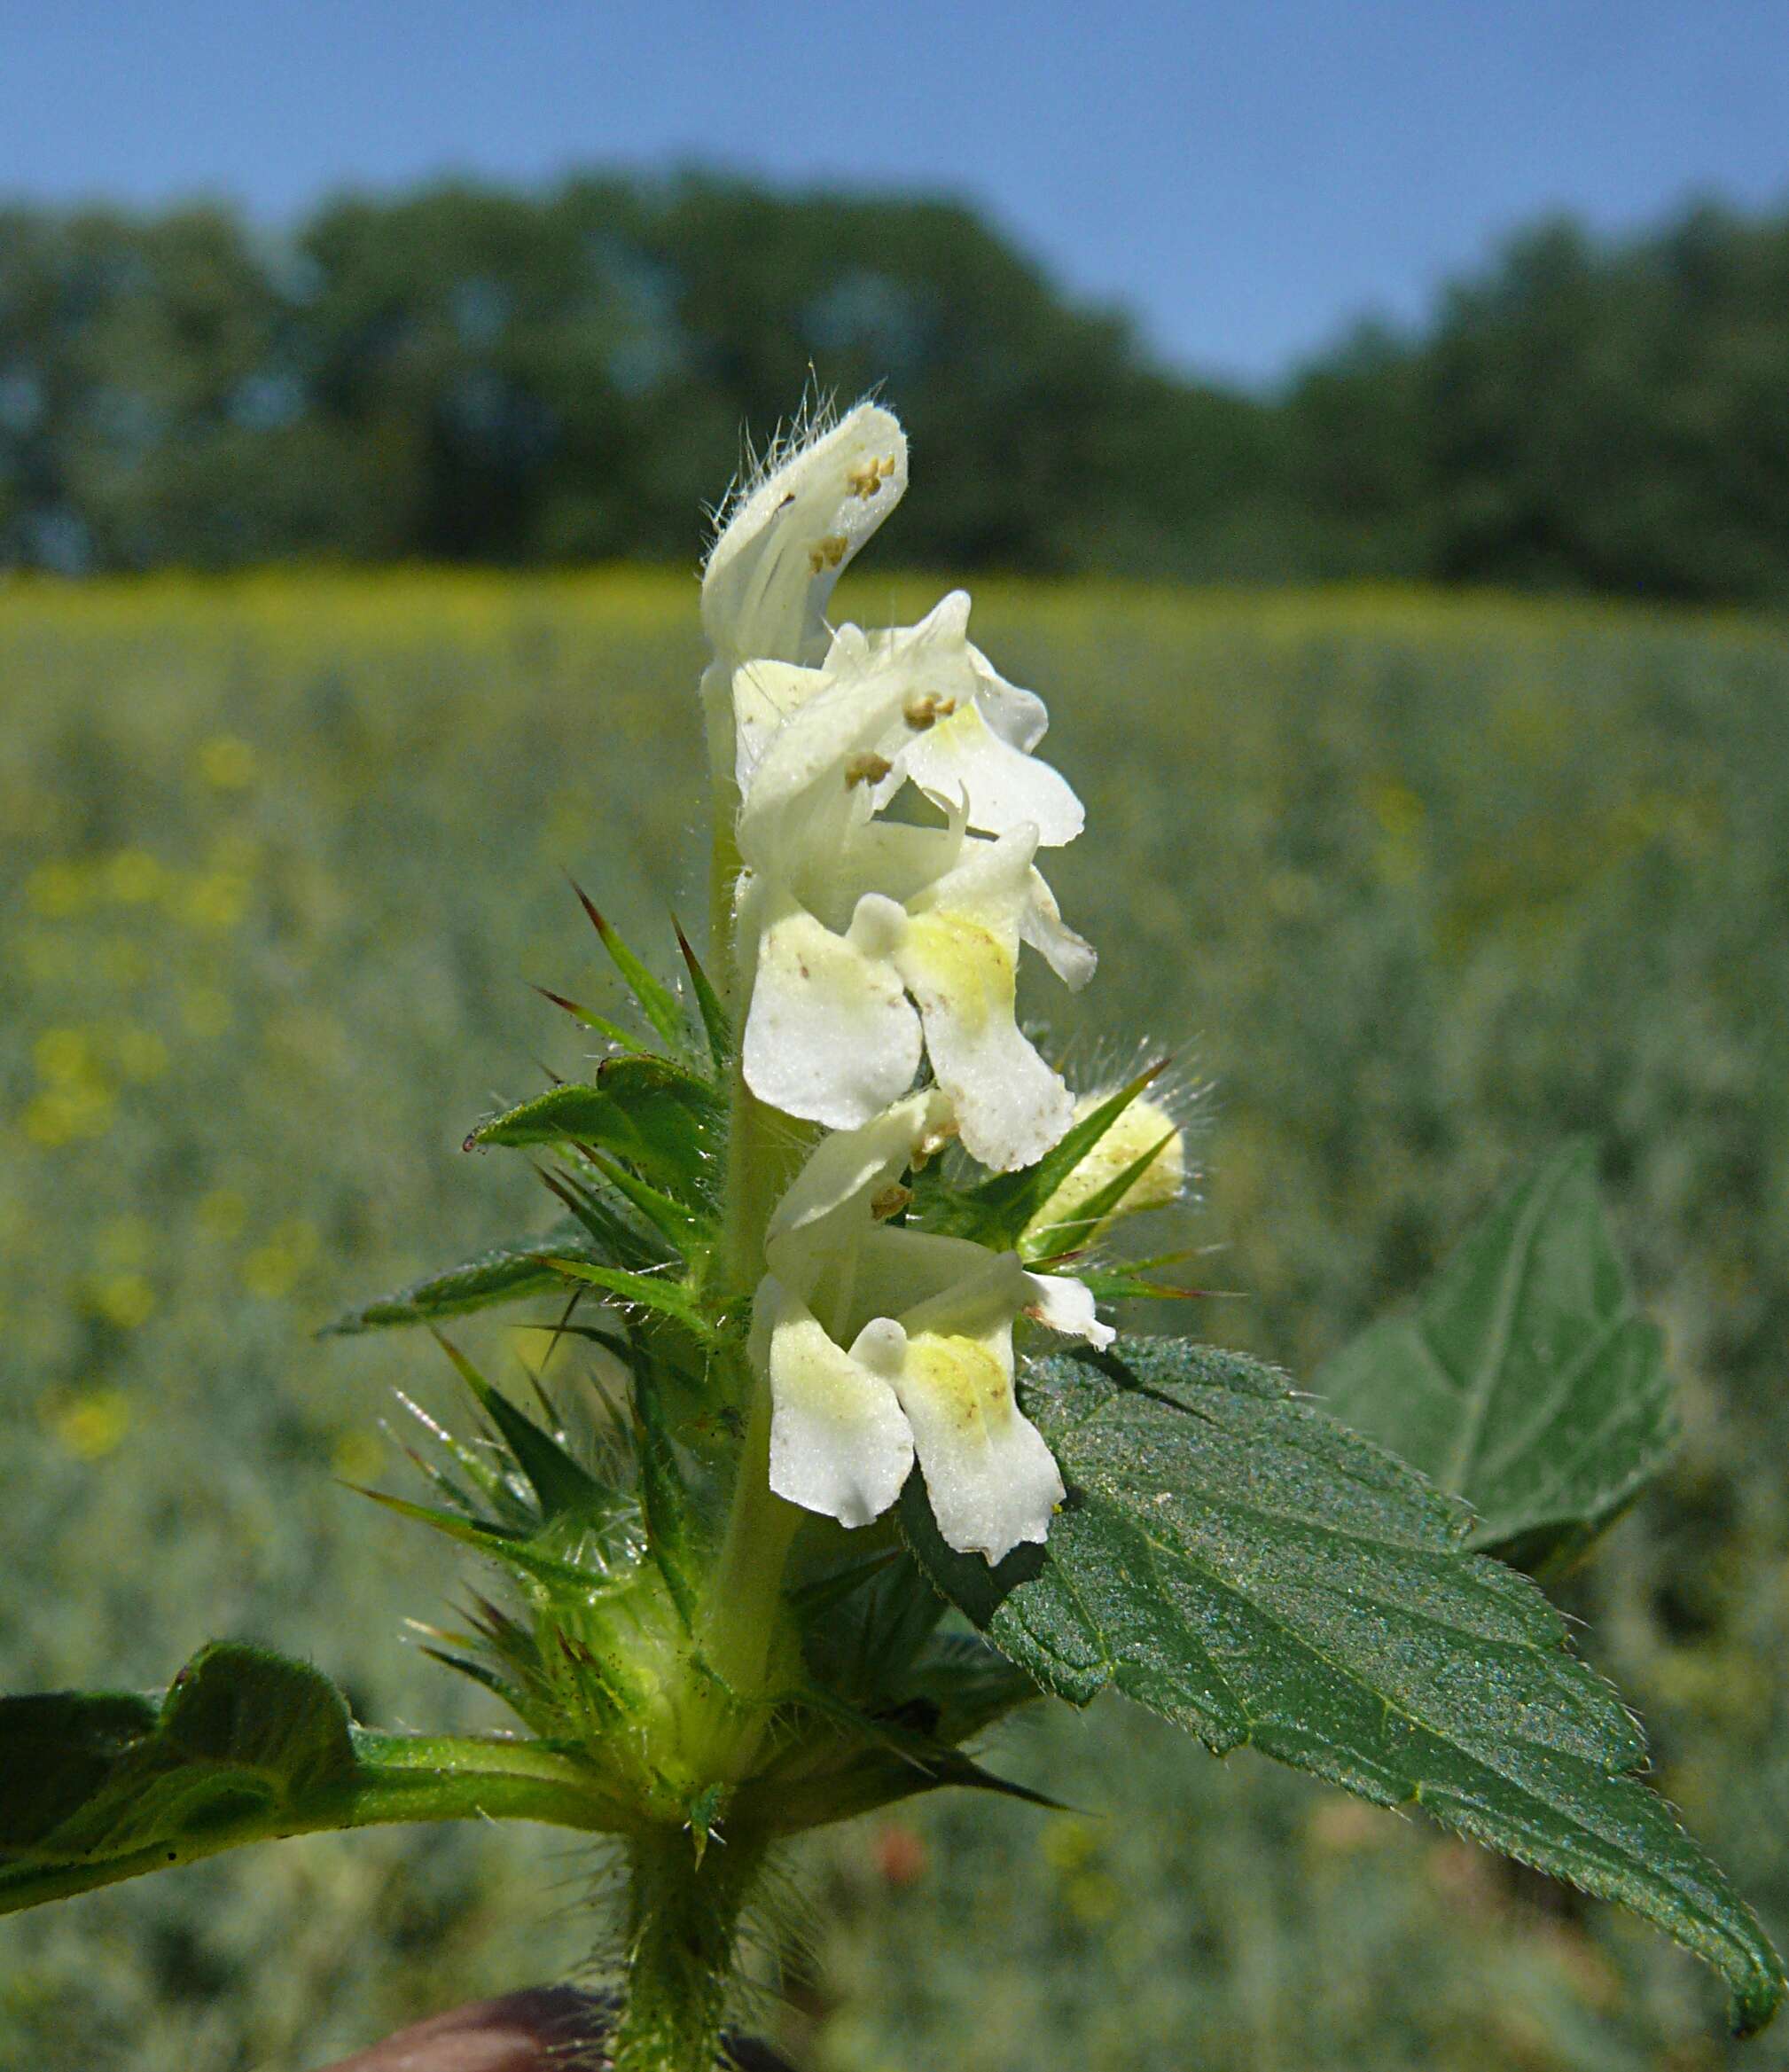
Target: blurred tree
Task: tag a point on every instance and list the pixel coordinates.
(1583, 416)
(468, 373)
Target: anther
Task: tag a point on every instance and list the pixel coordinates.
(926, 710)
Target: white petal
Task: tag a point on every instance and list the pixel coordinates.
(941, 635)
(898, 861)
(1067, 1305)
(765, 694)
(959, 959)
(963, 757)
(902, 1273)
(812, 777)
(771, 572)
(1016, 716)
(829, 1035)
(847, 1169)
(838, 1441)
(992, 1481)
(1041, 925)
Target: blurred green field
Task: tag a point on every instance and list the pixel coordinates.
(1419, 886)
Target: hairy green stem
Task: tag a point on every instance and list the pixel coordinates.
(744, 1624)
(683, 1935)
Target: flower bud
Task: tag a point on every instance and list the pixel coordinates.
(1145, 1124)
(768, 579)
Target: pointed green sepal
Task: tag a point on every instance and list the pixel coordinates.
(717, 1027)
(657, 1002)
(1058, 1239)
(563, 1486)
(505, 1273)
(662, 1296)
(506, 1546)
(995, 1213)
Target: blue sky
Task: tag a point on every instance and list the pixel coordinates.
(1245, 178)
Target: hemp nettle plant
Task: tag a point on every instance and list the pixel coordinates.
(853, 1467)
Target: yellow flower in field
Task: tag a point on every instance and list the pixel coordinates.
(64, 1056)
(91, 1425)
(56, 890)
(218, 901)
(133, 876)
(226, 764)
(141, 1053)
(271, 1270)
(124, 1299)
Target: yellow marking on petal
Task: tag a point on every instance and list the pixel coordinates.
(967, 965)
(965, 1375)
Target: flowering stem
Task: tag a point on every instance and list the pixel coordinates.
(683, 1934)
(743, 1620)
(723, 873)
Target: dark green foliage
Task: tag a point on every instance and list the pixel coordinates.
(1578, 415)
(467, 374)
(643, 1145)
(1524, 1379)
(1469, 876)
(1235, 1561)
(244, 1746)
(463, 373)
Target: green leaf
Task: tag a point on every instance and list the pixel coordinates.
(685, 1230)
(1524, 1379)
(652, 1113)
(610, 1234)
(246, 1747)
(1236, 1560)
(506, 1273)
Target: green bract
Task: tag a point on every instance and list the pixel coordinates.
(787, 1523)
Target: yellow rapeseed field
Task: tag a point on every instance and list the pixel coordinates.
(1416, 884)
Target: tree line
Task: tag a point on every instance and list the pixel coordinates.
(472, 374)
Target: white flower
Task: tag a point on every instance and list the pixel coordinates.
(846, 912)
(770, 572)
(882, 1342)
(948, 722)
